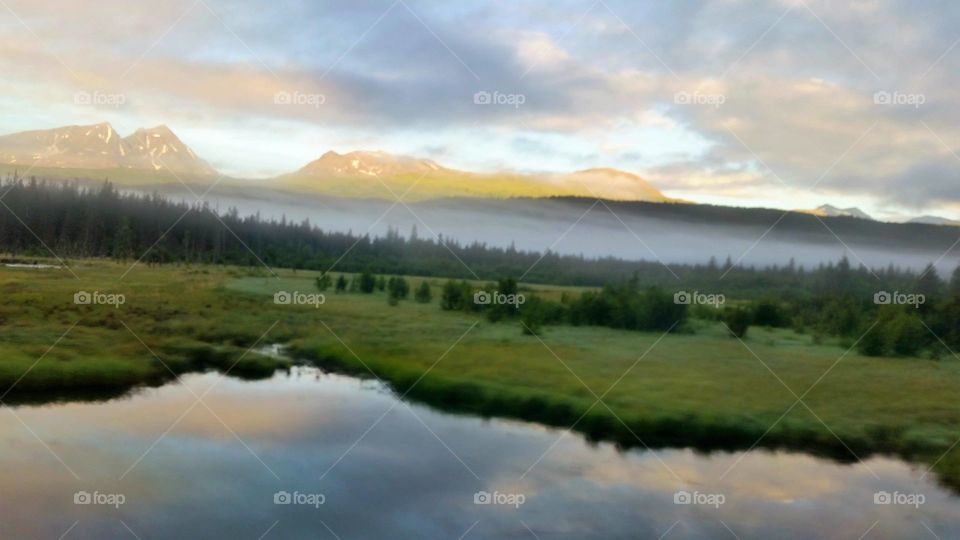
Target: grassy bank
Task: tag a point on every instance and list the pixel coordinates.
(699, 388)
(171, 321)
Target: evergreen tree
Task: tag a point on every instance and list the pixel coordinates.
(367, 282)
(930, 285)
(872, 343)
(423, 294)
(955, 282)
(451, 297)
(123, 242)
(323, 282)
(737, 321)
(397, 289)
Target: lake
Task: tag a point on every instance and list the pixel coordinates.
(307, 454)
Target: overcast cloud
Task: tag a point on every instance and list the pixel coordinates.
(735, 101)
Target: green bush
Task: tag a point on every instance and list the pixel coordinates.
(423, 295)
(323, 282)
(367, 282)
(397, 289)
(737, 321)
(872, 343)
(769, 312)
(906, 334)
(457, 295)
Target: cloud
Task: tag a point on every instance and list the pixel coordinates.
(776, 91)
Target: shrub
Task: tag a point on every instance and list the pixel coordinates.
(626, 306)
(905, 334)
(457, 296)
(323, 282)
(423, 294)
(872, 342)
(737, 321)
(769, 312)
(367, 282)
(397, 289)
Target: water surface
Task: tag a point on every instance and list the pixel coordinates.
(383, 468)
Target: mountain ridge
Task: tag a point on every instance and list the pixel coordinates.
(157, 156)
(828, 210)
(377, 174)
(935, 220)
(100, 146)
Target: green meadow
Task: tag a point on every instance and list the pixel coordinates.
(695, 387)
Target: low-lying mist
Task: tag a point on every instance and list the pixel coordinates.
(632, 231)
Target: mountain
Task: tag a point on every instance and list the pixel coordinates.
(827, 210)
(100, 147)
(379, 175)
(935, 220)
(611, 184)
(159, 148)
(379, 164)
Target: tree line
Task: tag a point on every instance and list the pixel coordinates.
(72, 221)
(833, 299)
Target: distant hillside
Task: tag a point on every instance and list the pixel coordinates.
(935, 220)
(379, 175)
(827, 210)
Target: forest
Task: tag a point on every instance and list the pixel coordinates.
(832, 300)
(69, 221)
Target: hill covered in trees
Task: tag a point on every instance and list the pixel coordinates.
(71, 221)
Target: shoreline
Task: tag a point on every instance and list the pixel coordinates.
(597, 423)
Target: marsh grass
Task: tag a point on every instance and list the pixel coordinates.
(698, 388)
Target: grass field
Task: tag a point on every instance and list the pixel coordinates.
(697, 388)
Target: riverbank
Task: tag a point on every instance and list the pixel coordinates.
(701, 389)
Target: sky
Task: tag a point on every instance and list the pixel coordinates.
(779, 103)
